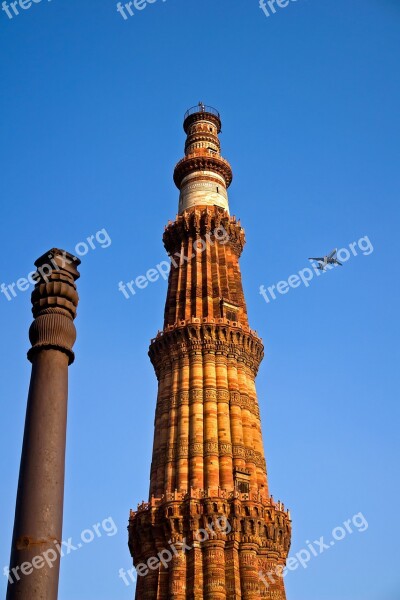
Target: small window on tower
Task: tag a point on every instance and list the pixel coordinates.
(243, 487)
(229, 311)
(242, 481)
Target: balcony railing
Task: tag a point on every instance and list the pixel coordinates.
(199, 108)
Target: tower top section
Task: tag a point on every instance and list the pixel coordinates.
(202, 176)
(201, 112)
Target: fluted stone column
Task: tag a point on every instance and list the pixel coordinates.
(224, 425)
(195, 572)
(233, 588)
(247, 425)
(196, 432)
(211, 456)
(177, 580)
(161, 450)
(271, 584)
(235, 415)
(34, 563)
(214, 570)
(170, 472)
(249, 576)
(182, 457)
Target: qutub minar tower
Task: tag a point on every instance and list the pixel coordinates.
(208, 457)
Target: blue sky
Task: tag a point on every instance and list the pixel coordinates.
(91, 115)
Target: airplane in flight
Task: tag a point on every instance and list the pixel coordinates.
(327, 260)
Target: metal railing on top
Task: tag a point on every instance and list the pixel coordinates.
(199, 108)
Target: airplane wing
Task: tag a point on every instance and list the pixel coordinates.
(332, 254)
(339, 263)
(318, 259)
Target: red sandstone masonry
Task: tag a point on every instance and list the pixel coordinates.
(208, 456)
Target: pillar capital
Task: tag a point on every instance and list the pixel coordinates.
(54, 303)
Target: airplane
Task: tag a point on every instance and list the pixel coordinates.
(327, 260)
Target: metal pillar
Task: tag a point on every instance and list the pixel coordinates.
(35, 555)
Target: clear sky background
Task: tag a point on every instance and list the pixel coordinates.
(91, 114)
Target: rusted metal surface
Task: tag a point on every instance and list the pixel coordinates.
(36, 545)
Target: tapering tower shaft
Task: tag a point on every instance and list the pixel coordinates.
(208, 458)
(209, 430)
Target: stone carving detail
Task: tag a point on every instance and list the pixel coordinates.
(238, 451)
(196, 449)
(183, 449)
(246, 402)
(259, 460)
(235, 398)
(203, 221)
(210, 448)
(249, 454)
(171, 452)
(258, 528)
(223, 395)
(183, 398)
(210, 394)
(178, 341)
(196, 396)
(225, 448)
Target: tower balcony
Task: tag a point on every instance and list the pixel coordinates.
(201, 112)
(203, 160)
(213, 494)
(202, 108)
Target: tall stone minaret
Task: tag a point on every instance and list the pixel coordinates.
(210, 518)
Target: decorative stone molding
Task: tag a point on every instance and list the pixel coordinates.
(259, 530)
(223, 395)
(195, 395)
(183, 398)
(202, 222)
(210, 395)
(204, 338)
(239, 451)
(211, 448)
(183, 449)
(225, 449)
(202, 160)
(196, 449)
